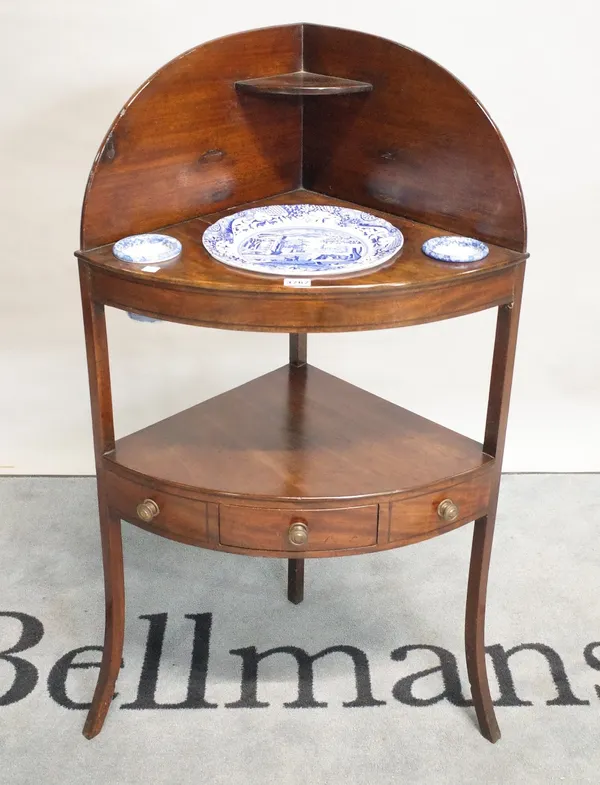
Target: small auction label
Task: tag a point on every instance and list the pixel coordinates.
(297, 281)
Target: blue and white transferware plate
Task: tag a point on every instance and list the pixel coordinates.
(302, 239)
(455, 249)
(145, 248)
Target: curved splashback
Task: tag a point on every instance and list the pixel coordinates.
(419, 145)
(189, 143)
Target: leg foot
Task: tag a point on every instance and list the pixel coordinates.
(475, 628)
(112, 557)
(295, 580)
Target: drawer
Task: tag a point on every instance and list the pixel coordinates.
(178, 517)
(271, 530)
(421, 517)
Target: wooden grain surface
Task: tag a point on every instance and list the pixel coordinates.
(267, 529)
(188, 143)
(303, 83)
(179, 517)
(298, 433)
(196, 269)
(290, 311)
(416, 519)
(420, 144)
(410, 289)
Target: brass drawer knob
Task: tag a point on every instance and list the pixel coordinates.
(448, 511)
(147, 510)
(298, 533)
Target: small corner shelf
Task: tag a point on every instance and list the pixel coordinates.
(302, 83)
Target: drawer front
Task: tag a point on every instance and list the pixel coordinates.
(420, 517)
(178, 517)
(271, 530)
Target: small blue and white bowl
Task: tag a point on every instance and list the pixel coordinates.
(147, 248)
(455, 249)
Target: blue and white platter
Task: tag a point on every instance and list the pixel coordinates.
(147, 248)
(302, 239)
(455, 249)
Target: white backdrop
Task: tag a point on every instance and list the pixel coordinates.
(68, 68)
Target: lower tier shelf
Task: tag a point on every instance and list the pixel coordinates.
(298, 462)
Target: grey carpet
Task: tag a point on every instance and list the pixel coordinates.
(543, 589)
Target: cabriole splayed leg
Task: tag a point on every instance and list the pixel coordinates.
(112, 557)
(475, 627)
(495, 435)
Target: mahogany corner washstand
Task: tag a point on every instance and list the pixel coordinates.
(298, 463)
